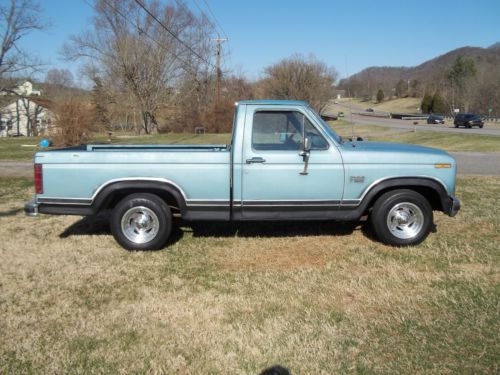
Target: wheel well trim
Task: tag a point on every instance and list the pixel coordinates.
(133, 179)
(385, 179)
(105, 190)
(404, 181)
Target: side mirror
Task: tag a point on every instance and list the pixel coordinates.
(307, 144)
(305, 154)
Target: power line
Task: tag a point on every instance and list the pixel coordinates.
(171, 33)
(217, 24)
(215, 19)
(185, 66)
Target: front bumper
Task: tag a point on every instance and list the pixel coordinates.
(453, 207)
(31, 208)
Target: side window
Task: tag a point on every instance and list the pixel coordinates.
(317, 140)
(283, 131)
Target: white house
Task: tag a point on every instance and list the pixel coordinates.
(26, 117)
(24, 89)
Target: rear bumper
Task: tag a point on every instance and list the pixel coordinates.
(31, 208)
(452, 207)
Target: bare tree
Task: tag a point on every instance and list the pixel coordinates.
(17, 19)
(59, 78)
(301, 79)
(133, 53)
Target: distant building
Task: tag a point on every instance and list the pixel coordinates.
(27, 117)
(24, 89)
(339, 94)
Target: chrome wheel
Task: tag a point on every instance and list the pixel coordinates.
(140, 224)
(405, 220)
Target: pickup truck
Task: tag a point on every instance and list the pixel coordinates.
(284, 163)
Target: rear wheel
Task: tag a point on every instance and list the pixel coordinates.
(402, 218)
(141, 222)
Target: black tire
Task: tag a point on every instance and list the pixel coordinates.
(392, 208)
(149, 222)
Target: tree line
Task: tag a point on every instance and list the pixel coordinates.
(152, 71)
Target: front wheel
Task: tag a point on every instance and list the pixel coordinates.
(402, 218)
(141, 222)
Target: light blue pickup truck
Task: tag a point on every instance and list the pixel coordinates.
(284, 163)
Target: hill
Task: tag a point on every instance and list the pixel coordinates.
(430, 73)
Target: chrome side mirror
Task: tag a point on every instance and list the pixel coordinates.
(307, 144)
(305, 154)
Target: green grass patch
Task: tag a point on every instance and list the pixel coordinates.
(441, 140)
(18, 148)
(22, 148)
(168, 138)
(445, 141)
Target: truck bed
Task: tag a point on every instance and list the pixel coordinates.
(201, 171)
(145, 147)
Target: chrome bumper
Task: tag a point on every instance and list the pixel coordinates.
(31, 208)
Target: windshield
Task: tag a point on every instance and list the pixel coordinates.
(325, 126)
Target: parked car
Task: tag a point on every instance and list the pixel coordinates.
(435, 119)
(340, 114)
(369, 110)
(329, 117)
(468, 120)
(284, 163)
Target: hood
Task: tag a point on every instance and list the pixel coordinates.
(366, 152)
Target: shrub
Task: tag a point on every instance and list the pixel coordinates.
(426, 105)
(380, 95)
(74, 121)
(438, 104)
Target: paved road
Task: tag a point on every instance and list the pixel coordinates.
(407, 124)
(469, 163)
(422, 125)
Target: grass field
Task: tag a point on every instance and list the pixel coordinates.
(407, 105)
(445, 141)
(25, 147)
(317, 298)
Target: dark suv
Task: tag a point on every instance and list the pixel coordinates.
(468, 120)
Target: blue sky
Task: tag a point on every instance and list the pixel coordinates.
(348, 35)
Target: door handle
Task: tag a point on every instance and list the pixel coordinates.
(256, 160)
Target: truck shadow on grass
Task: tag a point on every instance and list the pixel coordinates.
(273, 229)
(99, 225)
(11, 212)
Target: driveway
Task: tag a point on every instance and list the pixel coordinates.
(469, 163)
(16, 168)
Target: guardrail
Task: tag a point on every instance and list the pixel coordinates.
(415, 118)
(373, 114)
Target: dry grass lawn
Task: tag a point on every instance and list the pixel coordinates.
(318, 298)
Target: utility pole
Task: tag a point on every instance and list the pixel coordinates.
(218, 50)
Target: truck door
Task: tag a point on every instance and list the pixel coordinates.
(274, 182)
